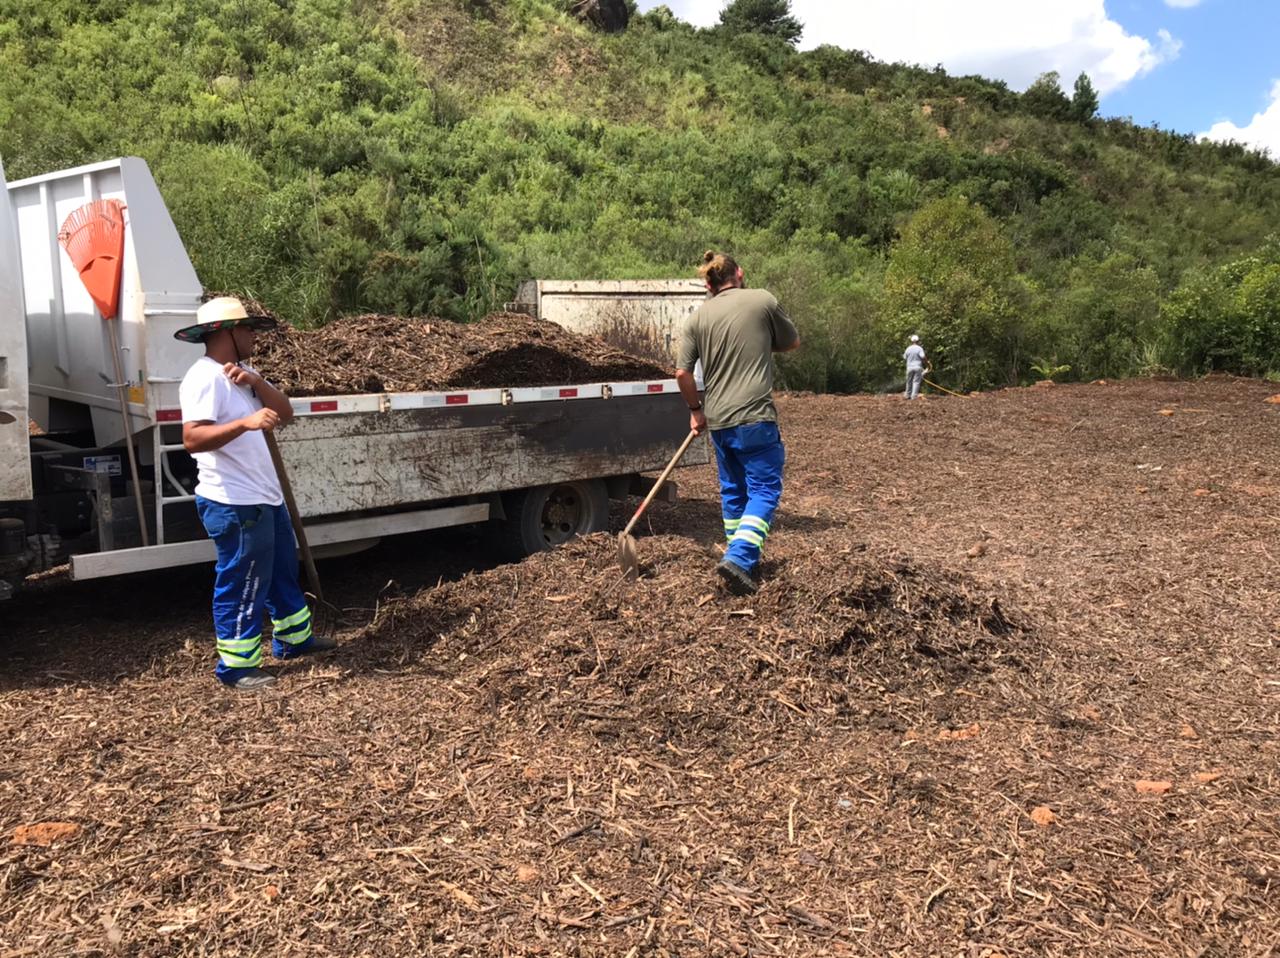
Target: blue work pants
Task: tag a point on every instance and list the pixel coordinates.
(751, 459)
(257, 569)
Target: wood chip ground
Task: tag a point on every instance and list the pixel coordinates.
(903, 746)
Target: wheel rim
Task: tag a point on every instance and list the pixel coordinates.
(562, 515)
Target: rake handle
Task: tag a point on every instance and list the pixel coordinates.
(688, 440)
(118, 366)
(286, 487)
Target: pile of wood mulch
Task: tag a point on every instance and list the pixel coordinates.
(371, 354)
(374, 353)
(674, 659)
(536, 759)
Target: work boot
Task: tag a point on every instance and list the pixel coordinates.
(738, 579)
(253, 680)
(320, 643)
(317, 643)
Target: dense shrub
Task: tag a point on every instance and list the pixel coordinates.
(425, 155)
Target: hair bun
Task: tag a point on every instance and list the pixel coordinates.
(709, 256)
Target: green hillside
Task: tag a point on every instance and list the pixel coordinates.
(422, 157)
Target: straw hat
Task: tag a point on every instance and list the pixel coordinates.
(224, 312)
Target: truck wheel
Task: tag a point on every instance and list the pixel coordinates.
(547, 516)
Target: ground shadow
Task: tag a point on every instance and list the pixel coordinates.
(60, 632)
(701, 520)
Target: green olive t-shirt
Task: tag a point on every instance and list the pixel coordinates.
(735, 334)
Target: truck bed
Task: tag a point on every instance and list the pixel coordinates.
(367, 466)
(355, 453)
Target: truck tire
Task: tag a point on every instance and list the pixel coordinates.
(544, 517)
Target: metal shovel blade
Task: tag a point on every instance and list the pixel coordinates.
(628, 556)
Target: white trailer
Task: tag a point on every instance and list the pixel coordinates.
(645, 316)
(538, 465)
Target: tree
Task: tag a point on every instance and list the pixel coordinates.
(770, 17)
(1045, 98)
(1229, 318)
(1106, 316)
(1084, 101)
(952, 278)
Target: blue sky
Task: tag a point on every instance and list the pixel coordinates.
(1195, 66)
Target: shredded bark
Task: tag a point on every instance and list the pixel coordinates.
(367, 354)
(1062, 743)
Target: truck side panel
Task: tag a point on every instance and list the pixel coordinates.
(68, 342)
(353, 462)
(15, 451)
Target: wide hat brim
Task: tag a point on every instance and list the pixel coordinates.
(199, 332)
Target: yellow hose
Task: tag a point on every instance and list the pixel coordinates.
(943, 389)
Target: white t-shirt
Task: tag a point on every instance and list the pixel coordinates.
(914, 357)
(241, 472)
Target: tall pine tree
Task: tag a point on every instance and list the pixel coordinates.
(770, 17)
(1084, 101)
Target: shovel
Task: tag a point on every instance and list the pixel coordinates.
(628, 555)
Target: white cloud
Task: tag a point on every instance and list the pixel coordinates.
(1184, 4)
(1011, 40)
(1262, 133)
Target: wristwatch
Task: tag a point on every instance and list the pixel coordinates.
(695, 408)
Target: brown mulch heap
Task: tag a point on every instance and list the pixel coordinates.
(1012, 687)
(683, 663)
(364, 354)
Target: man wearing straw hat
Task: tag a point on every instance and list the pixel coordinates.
(226, 406)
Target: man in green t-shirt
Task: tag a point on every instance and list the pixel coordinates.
(735, 334)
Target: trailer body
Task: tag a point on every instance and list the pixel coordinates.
(645, 316)
(15, 452)
(537, 465)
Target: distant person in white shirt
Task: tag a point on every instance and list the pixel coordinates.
(915, 368)
(226, 406)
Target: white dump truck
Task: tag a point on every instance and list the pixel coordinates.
(537, 465)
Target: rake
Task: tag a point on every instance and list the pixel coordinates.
(628, 554)
(93, 237)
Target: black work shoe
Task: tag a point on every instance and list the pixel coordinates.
(321, 643)
(254, 680)
(738, 579)
(317, 643)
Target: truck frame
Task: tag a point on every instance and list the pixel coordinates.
(537, 465)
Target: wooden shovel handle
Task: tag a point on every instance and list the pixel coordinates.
(675, 460)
